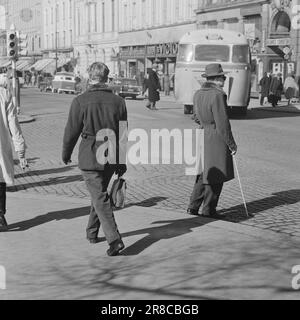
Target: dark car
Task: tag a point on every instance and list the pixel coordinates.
(126, 87)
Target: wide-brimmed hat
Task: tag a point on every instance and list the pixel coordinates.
(213, 70)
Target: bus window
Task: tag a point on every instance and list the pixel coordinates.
(213, 53)
(241, 54)
(185, 53)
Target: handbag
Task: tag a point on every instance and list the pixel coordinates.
(118, 193)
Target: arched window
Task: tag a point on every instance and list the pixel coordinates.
(281, 23)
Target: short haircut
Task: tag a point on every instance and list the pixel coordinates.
(98, 71)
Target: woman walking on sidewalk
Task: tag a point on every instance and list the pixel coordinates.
(10, 131)
(153, 86)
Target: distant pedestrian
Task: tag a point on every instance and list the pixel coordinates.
(33, 79)
(10, 132)
(265, 88)
(290, 88)
(153, 86)
(276, 89)
(218, 144)
(95, 110)
(167, 84)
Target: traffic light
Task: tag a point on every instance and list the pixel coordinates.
(12, 45)
(22, 44)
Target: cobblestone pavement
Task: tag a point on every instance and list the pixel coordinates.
(268, 162)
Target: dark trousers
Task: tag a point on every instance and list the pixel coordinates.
(101, 211)
(262, 100)
(2, 198)
(205, 194)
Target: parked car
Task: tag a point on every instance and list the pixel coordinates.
(126, 87)
(64, 82)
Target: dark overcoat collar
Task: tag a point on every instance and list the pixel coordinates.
(208, 85)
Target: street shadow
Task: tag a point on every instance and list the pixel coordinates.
(45, 183)
(45, 172)
(49, 217)
(148, 203)
(237, 214)
(171, 229)
(265, 113)
(70, 214)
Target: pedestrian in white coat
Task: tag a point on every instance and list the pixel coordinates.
(10, 131)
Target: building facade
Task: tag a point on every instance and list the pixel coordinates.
(96, 33)
(58, 33)
(150, 31)
(267, 25)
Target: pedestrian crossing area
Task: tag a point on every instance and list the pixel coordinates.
(160, 114)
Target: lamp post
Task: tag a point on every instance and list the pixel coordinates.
(56, 37)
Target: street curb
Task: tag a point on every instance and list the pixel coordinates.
(25, 119)
(279, 109)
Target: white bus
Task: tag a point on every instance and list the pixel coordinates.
(199, 48)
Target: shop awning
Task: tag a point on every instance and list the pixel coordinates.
(23, 65)
(63, 62)
(42, 64)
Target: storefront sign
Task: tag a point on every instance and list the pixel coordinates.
(279, 42)
(163, 50)
(133, 52)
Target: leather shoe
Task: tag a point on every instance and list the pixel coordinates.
(3, 224)
(115, 248)
(192, 212)
(93, 241)
(217, 216)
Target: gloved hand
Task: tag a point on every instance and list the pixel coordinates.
(234, 151)
(121, 170)
(66, 159)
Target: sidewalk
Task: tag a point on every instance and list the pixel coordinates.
(169, 256)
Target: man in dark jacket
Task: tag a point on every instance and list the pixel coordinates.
(276, 89)
(153, 86)
(218, 145)
(96, 111)
(265, 83)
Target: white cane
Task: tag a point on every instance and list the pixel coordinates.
(240, 182)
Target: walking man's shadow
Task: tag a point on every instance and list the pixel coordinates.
(171, 229)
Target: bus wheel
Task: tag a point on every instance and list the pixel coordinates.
(188, 109)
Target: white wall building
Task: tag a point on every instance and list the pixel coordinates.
(58, 30)
(96, 33)
(150, 31)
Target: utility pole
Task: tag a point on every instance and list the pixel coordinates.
(56, 38)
